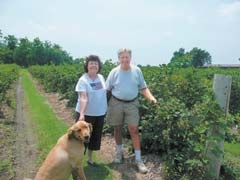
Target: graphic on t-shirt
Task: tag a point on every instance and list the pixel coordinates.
(96, 85)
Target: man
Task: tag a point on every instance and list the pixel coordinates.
(125, 82)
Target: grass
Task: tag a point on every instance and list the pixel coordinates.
(231, 163)
(234, 149)
(46, 124)
(49, 128)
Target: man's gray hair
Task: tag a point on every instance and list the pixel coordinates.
(123, 50)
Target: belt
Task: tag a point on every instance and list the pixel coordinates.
(126, 101)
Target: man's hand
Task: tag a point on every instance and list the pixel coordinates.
(153, 99)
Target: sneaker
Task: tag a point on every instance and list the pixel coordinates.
(141, 167)
(119, 158)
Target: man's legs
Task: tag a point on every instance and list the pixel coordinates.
(118, 134)
(118, 140)
(133, 130)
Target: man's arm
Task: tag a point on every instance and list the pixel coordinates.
(146, 92)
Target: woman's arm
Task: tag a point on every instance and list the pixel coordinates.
(83, 104)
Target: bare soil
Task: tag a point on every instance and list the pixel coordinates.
(26, 151)
(17, 145)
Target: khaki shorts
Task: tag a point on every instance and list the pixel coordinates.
(122, 112)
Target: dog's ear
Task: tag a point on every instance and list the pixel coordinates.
(90, 127)
(70, 133)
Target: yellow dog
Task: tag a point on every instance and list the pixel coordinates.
(66, 157)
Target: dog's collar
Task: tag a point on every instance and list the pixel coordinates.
(85, 144)
(86, 147)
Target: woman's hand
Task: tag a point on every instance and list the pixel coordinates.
(81, 117)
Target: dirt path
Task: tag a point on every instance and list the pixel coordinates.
(26, 153)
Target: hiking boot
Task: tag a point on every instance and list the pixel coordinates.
(119, 158)
(141, 167)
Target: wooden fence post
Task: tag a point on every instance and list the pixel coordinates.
(222, 90)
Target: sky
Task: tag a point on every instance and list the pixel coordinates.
(152, 29)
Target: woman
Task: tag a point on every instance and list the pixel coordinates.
(92, 102)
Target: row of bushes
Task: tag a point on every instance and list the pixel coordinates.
(178, 125)
(8, 74)
(63, 79)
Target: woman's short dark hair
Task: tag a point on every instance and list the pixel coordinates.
(92, 58)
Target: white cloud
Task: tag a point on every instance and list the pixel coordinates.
(42, 28)
(230, 9)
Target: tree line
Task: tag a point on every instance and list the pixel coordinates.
(23, 52)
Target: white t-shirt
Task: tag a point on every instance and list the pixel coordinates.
(96, 92)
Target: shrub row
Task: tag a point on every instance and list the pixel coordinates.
(63, 79)
(8, 74)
